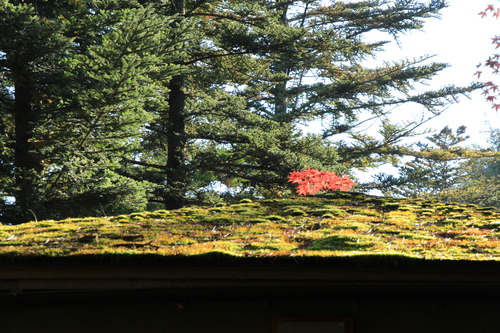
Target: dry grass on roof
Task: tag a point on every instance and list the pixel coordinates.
(336, 225)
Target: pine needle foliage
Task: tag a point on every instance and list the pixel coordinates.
(258, 72)
(168, 99)
(78, 78)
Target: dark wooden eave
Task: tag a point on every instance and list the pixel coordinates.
(265, 278)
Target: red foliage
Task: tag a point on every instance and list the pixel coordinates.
(311, 181)
(491, 90)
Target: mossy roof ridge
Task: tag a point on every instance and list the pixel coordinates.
(338, 225)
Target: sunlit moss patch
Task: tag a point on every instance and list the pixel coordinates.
(335, 225)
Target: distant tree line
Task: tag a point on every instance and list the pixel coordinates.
(444, 169)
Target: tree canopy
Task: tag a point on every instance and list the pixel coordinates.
(109, 107)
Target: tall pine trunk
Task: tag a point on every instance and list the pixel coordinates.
(281, 66)
(176, 175)
(25, 162)
(176, 135)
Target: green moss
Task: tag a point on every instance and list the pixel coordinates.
(159, 214)
(426, 212)
(415, 235)
(343, 243)
(472, 206)
(345, 195)
(255, 221)
(492, 225)
(275, 218)
(390, 206)
(340, 224)
(487, 209)
(193, 212)
(329, 210)
(351, 225)
(120, 218)
(258, 247)
(294, 212)
(220, 219)
(363, 211)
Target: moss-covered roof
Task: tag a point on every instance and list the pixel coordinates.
(335, 225)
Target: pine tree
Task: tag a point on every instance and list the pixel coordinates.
(306, 39)
(440, 168)
(249, 89)
(480, 183)
(128, 93)
(29, 70)
(327, 42)
(76, 102)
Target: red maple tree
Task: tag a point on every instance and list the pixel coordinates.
(312, 181)
(491, 90)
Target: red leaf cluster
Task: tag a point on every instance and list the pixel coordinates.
(311, 181)
(491, 90)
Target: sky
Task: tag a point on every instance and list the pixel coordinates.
(462, 39)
